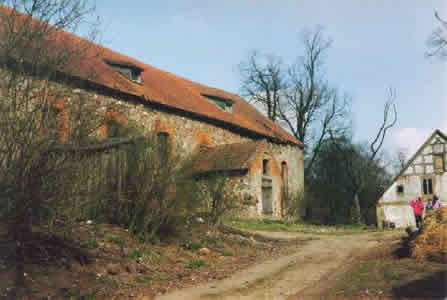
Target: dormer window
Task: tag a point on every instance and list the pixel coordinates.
(223, 103)
(129, 70)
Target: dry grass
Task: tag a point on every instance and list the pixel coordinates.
(432, 242)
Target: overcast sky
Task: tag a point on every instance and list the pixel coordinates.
(377, 44)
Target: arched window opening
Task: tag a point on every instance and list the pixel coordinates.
(114, 129)
(284, 177)
(163, 147)
(266, 167)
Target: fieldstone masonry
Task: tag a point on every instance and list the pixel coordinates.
(188, 134)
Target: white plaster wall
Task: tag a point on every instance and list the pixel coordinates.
(401, 216)
(394, 204)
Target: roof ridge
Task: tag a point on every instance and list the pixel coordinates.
(174, 91)
(414, 156)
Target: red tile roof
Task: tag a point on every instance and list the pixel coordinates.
(226, 157)
(171, 90)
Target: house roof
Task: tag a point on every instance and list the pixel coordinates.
(169, 90)
(436, 132)
(226, 157)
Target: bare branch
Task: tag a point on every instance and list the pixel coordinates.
(389, 120)
(437, 41)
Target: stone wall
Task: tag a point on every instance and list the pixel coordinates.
(186, 135)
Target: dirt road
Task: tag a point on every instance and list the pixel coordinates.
(285, 276)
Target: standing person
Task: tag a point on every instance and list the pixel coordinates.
(418, 209)
(429, 206)
(436, 203)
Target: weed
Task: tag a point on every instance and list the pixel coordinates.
(227, 253)
(193, 246)
(90, 296)
(72, 293)
(118, 241)
(195, 264)
(92, 244)
(137, 253)
(208, 239)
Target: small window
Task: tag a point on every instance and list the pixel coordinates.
(114, 129)
(129, 70)
(284, 177)
(224, 104)
(265, 167)
(427, 186)
(163, 147)
(400, 189)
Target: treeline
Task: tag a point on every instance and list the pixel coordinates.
(343, 179)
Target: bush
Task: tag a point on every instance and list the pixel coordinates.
(132, 188)
(217, 199)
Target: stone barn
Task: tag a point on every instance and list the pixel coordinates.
(227, 135)
(423, 176)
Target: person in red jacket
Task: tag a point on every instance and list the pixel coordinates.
(418, 209)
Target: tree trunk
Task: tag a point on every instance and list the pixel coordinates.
(356, 216)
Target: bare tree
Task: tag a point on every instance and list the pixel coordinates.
(358, 170)
(310, 108)
(38, 110)
(299, 96)
(263, 79)
(437, 41)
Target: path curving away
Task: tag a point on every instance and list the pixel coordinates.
(282, 277)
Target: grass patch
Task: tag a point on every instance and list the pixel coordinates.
(227, 253)
(195, 264)
(279, 225)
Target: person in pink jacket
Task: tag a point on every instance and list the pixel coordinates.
(418, 209)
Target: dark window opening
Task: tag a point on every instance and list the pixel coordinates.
(224, 104)
(427, 186)
(400, 189)
(284, 177)
(129, 70)
(265, 167)
(163, 147)
(114, 129)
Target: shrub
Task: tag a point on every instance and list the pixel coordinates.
(218, 199)
(133, 188)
